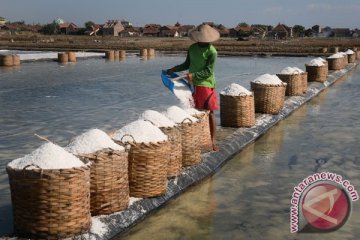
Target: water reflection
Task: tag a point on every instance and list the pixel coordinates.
(251, 193)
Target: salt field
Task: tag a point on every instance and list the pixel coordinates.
(249, 197)
(62, 101)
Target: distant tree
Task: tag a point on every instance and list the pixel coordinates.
(243, 24)
(298, 31)
(89, 24)
(51, 28)
(327, 29)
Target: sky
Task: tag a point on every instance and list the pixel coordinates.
(333, 13)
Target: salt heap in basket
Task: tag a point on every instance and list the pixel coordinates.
(179, 115)
(296, 80)
(109, 184)
(170, 129)
(47, 156)
(351, 56)
(269, 94)
(237, 107)
(337, 61)
(148, 158)
(317, 70)
(50, 189)
(190, 134)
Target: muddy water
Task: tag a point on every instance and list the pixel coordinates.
(62, 101)
(249, 198)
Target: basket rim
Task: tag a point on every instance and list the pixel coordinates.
(283, 84)
(241, 96)
(85, 167)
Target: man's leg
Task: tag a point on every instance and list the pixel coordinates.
(212, 123)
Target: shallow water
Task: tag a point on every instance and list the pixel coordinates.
(62, 101)
(249, 198)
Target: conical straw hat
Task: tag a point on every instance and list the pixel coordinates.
(204, 33)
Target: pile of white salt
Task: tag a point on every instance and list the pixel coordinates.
(141, 131)
(337, 55)
(349, 52)
(92, 141)
(193, 111)
(183, 93)
(179, 115)
(235, 89)
(291, 70)
(316, 62)
(47, 156)
(268, 79)
(156, 118)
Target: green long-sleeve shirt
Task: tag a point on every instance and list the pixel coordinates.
(200, 61)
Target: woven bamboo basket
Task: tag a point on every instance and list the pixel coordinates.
(335, 63)
(143, 52)
(295, 83)
(237, 111)
(6, 60)
(151, 52)
(16, 60)
(175, 152)
(204, 133)
(110, 55)
(346, 60)
(269, 99)
(148, 165)
(191, 143)
(109, 182)
(317, 73)
(351, 58)
(122, 54)
(304, 77)
(335, 49)
(50, 204)
(63, 57)
(116, 54)
(71, 56)
(357, 54)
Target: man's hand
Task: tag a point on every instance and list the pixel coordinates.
(189, 77)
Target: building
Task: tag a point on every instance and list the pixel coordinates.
(281, 31)
(68, 28)
(224, 31)
(151, 30)
(341, 32)
(240, 31)
(169, 31)
(2, 21)
(112, 28)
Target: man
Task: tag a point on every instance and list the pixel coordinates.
(200, 61)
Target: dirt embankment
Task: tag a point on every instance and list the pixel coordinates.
(299, 46)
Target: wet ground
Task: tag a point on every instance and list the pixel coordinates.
(249, 198)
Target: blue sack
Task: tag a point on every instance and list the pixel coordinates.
(166, 79)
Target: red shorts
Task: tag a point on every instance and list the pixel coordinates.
(205, 98)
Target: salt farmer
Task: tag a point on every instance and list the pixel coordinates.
(200, 61)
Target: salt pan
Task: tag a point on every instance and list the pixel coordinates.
(92, 141)
(142, 132)
(183, 93)
(349, 51)
(156, 118)
(268, 79)
(47, 156)
(178, 115)
(235, 90)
